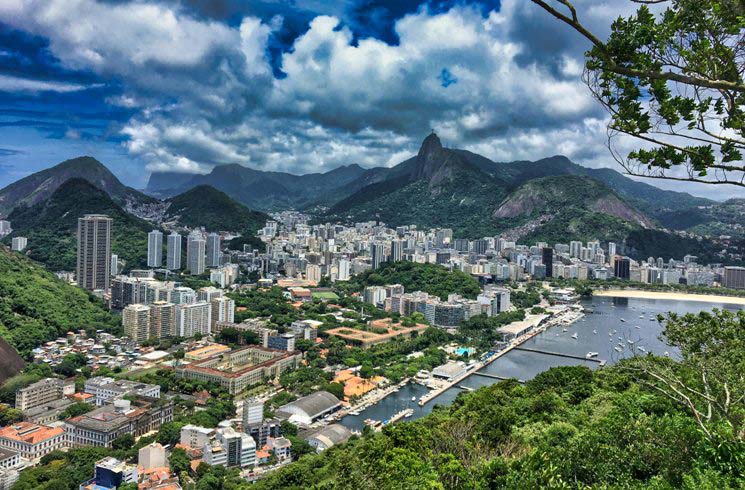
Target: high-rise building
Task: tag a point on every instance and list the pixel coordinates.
(162, 319)
(622, 268)
(18, 244)
(344, 270)
(253, 412)
(548, 260)
(94, 252)
(136, 322)
(397, 250)
(377, 254)
(192, 319)
(734, 277)
(213, 250)
(195, 252)
(575, 248)
(208, 293)
(155, 249)
(115, 265)
(313, 273)
(173, 257)
(611, 249)
(5, 228)
(223, 310)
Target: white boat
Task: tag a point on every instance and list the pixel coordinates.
(618, 349)
(641, 348)
(631, 342)
(641, 316)
(595, 331)
(590, 355)
(637, 327)
(413, 398)
(564, 330)
(574, 335)
(624, 321)
(667, 354)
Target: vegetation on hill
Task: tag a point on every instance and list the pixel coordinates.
(569, 427)
(206, 206)
(214, 210)
(39, 186)
(51, 226)
(36, 306)
(461, 203)
(430, 278)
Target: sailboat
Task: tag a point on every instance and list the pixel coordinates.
(574, 335)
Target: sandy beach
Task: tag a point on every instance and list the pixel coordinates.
(704, 298)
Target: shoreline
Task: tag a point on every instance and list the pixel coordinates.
(675, 296)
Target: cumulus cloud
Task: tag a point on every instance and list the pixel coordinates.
(205, 92)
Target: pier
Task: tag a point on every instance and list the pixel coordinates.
(494, 376)
(561, 354)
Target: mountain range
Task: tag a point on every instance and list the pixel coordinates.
(50, 223)
(40, 186)
(549, 200)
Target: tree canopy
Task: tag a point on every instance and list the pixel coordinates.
(671, 76)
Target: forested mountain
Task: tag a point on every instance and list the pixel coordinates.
(216, 211)
(352, 190)
(256, 189)
(40, 186)
(37, 307)
(649, 199)
(51, 226)
(436, 188)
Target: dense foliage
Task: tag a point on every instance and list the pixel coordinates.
(430, 278)
(215, 211)
(51, 226)
(37, 307)
(458, 203)
(642, 423)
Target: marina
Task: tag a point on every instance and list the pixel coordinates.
(596, 326)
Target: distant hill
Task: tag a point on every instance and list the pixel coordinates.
(36, 307)
(51, 226)
(651, 200)
(438, 187)
(260, 190)
(39, 186)
(476, 197)
(557, 209)
(216, 211)
(351, 191)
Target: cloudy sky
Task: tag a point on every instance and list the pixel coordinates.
(293, 85)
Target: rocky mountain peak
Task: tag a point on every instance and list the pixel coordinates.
(431, 144)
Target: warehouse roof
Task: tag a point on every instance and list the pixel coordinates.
(313, 404)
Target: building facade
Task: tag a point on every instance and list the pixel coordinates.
(94, 252)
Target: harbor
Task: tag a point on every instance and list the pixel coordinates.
(594, 325)
(536, 324)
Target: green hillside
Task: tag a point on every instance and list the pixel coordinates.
(36, 307)
(39, 186)
(216, 211)
(461, 201)
(51, 226)
(570, 427)
(430, 278)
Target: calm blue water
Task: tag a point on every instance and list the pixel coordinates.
(525, 365)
